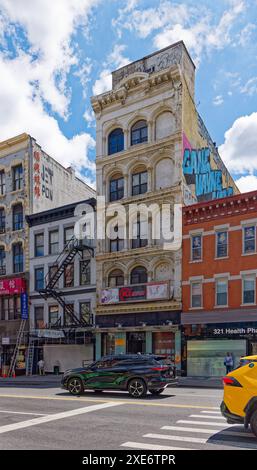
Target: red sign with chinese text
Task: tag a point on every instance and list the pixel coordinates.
(12, 286)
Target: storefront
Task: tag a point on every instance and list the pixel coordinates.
(149, 332)
(204, 347)
(13, 308)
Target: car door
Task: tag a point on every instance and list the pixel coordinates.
(100, 375)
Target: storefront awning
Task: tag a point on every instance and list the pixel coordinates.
(218, 316)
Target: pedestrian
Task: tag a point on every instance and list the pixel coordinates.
(41, 367)
(228, 362)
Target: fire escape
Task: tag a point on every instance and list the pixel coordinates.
(68, 254)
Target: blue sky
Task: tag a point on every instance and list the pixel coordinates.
(55, 55)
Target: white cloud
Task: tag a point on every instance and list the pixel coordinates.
(218, 100)
(114, 61)
(239, 149)
(35, 75)
(21, 111)
(247, 183)
(250, 88)
(180, 21)
(246, 34)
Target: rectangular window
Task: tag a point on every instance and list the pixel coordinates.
(54, 315)
(39, 244)
(69, 275)
(68, 234)
(68, 320)
(221, 292)
(17, 175)
(249, 290)
(2, 182)
(85, 272)
(196, 247)
(196, 294)
(17, 258)
(116, 245)
(249, 239)
(11, 307)
(39, 317)
(54, 242)
(85, 312)
(2, 221)
(222, 244)
(52, 270)
(39, 278)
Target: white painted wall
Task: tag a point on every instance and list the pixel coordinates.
(69, 356)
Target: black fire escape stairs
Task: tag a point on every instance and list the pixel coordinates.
(68, 254)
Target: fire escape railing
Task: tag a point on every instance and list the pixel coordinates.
(69, 252)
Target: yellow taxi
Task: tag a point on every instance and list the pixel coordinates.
(239, 404)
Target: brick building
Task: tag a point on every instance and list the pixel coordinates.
(219, 283)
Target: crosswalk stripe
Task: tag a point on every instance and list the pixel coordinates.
(202, 423)
(209, 431)
(200, 440)
(208, 417)
(211, 412)
(142, 445)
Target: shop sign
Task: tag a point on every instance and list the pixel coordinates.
(119, 341)
(24, 306)
(234, 331)
(157, 291)
(49, 333)
(110, 296)
(6, 340)
(132, 293)
(151, 291)
(12, 286)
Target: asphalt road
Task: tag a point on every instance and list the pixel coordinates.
(181, 418)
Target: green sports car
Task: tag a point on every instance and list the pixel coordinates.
(134, 373)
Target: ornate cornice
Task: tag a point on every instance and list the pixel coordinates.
(134, 82)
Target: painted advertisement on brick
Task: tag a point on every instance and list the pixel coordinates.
(206, 176)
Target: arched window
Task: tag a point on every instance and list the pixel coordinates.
(116, 188)
(2, 220)
(139, 183)
(116, 239)
(138, 275)
(139, 132)
(17, 217)
(116, 278)
(115, 141)
(17, 258)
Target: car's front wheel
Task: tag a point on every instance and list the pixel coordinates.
(75, 386)
(156, 392)
(137, 388)
(253, 423)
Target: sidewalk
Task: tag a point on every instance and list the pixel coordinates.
(200, 382)
(43, 380)
(54, 381)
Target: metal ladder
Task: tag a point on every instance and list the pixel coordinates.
(30, 358)
(16, 349)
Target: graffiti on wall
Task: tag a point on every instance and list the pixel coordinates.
(199, 172)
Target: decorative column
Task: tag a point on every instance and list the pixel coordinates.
(148, 342)
(98, 352)
(126, 139)
(178, 349)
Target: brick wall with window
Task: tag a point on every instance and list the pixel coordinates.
(220, 248)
